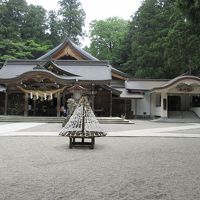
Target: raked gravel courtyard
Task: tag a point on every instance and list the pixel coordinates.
(40, 167)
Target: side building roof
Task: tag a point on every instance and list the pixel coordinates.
(145, 84)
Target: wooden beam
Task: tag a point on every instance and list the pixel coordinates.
(119, 76)
(34, 107)
(6, 104)
(125, 109)
(26, 105)
(110, 103)
(58, 104)
(93, 86)
(67, 51)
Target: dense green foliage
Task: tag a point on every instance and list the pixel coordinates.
(28, 31)
(73, 19)
(191, 9)
(107, 38)
(160, 42)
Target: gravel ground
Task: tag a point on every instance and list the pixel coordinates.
(44, 168)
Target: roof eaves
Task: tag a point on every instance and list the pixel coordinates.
(120, 72)
(85, 54)
(51, 52)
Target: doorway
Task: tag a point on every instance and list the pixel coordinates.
(174, 103)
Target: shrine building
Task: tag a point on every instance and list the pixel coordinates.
(41, 87)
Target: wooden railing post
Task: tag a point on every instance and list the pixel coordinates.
(58, 104)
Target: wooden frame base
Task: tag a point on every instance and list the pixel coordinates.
(74, 143)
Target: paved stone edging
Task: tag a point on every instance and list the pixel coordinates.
(110, 134)
(14, 130)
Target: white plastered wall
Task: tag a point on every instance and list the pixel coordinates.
(155, 110)
(141, 107)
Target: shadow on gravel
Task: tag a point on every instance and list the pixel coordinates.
(64, 147)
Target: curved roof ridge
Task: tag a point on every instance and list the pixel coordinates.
(176, 79)
(85, 54)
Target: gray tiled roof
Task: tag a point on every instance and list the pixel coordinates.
(92, 70)
(177, 79)
(143, 84)
(82, 70)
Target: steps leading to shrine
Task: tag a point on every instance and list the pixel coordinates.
(113, 120)
(102, 120)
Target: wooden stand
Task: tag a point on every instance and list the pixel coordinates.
(74, 143)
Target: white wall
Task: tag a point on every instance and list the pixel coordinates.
(141, 106)
(155, 111)
(164, 112)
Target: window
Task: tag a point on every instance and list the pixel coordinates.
(158, 100)
(196, 101)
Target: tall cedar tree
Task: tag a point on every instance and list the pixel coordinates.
(191, 9)
(54, 28)
(162, 44)
(147, 32)
(72, 19)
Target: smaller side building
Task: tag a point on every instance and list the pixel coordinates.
(165, 98)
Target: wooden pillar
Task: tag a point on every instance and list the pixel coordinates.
(34, 107)
(125, 107)
(6, 104)
(110, 103)
(135, 107)
(26, 105)
(63, 99)
(58, 104)
(93, 97)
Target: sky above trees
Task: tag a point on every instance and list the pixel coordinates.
(97, 9)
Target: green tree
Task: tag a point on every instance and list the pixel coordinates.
(147, 32)
(160, 42)
(182, 48)
(191, 9)
(54, 28)
(28, 49)
(72, 19)
(35, 24)
(12, 14)
(106, 38)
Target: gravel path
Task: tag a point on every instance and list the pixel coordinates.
(44, 168)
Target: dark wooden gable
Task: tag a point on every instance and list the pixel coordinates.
(67, 53)
(52, 67)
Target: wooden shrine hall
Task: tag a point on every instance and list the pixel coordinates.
(41, 87)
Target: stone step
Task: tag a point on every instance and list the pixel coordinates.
(102, 120)
(183, 115)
